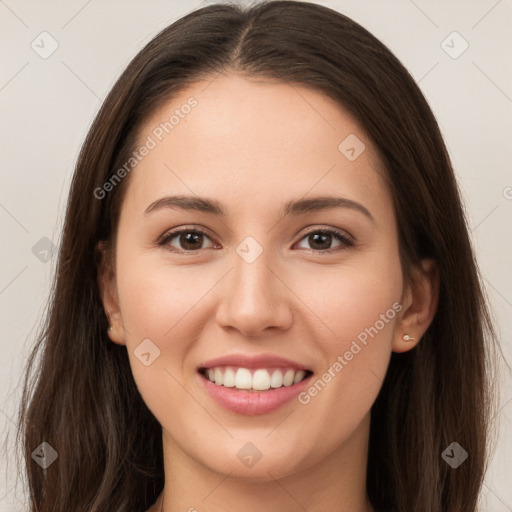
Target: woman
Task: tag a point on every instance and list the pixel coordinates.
(266, 297)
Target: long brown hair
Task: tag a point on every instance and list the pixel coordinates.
(82, 398)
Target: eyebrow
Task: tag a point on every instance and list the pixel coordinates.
(294, 207)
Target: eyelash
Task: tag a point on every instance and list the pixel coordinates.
(347, 242)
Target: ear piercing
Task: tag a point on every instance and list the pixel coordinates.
(110, 328)
(406, 337)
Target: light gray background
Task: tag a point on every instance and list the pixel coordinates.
(47, 106)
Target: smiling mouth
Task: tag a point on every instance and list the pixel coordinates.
(254, 380)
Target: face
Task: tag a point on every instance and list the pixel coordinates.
(270, 291)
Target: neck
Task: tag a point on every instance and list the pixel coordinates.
(336, 482)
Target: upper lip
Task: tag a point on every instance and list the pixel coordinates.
(260, 361)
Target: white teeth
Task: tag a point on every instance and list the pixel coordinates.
(298, 376)
(276, 381)
(229, 378)
(243, 379)
(260, 380)
(218, 377)
(288, 378)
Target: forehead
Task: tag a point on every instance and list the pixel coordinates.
(243, 140)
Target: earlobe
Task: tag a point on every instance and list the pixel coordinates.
(108, 294)
(422, 292)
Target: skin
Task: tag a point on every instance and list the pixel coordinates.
(253, 145)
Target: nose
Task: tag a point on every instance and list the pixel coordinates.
(254, 298)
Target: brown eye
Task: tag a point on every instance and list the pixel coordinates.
(321, 240)
(188, 240)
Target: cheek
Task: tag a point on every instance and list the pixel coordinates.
(354, 298)
(358, 309)
(158, 303)
(156, 297)
(366, 305)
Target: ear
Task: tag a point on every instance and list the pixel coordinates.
(420, 300)
(108, 292)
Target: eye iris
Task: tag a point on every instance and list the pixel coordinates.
(188, 238)
(314, 239)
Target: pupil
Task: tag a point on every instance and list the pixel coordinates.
(190, 238)
(323, 235)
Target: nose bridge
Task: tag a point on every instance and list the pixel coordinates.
(254, 297)
(252, 274)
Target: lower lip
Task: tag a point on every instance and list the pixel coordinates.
(253, 402)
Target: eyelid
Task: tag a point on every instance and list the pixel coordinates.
(340, 232)
(172, 233)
